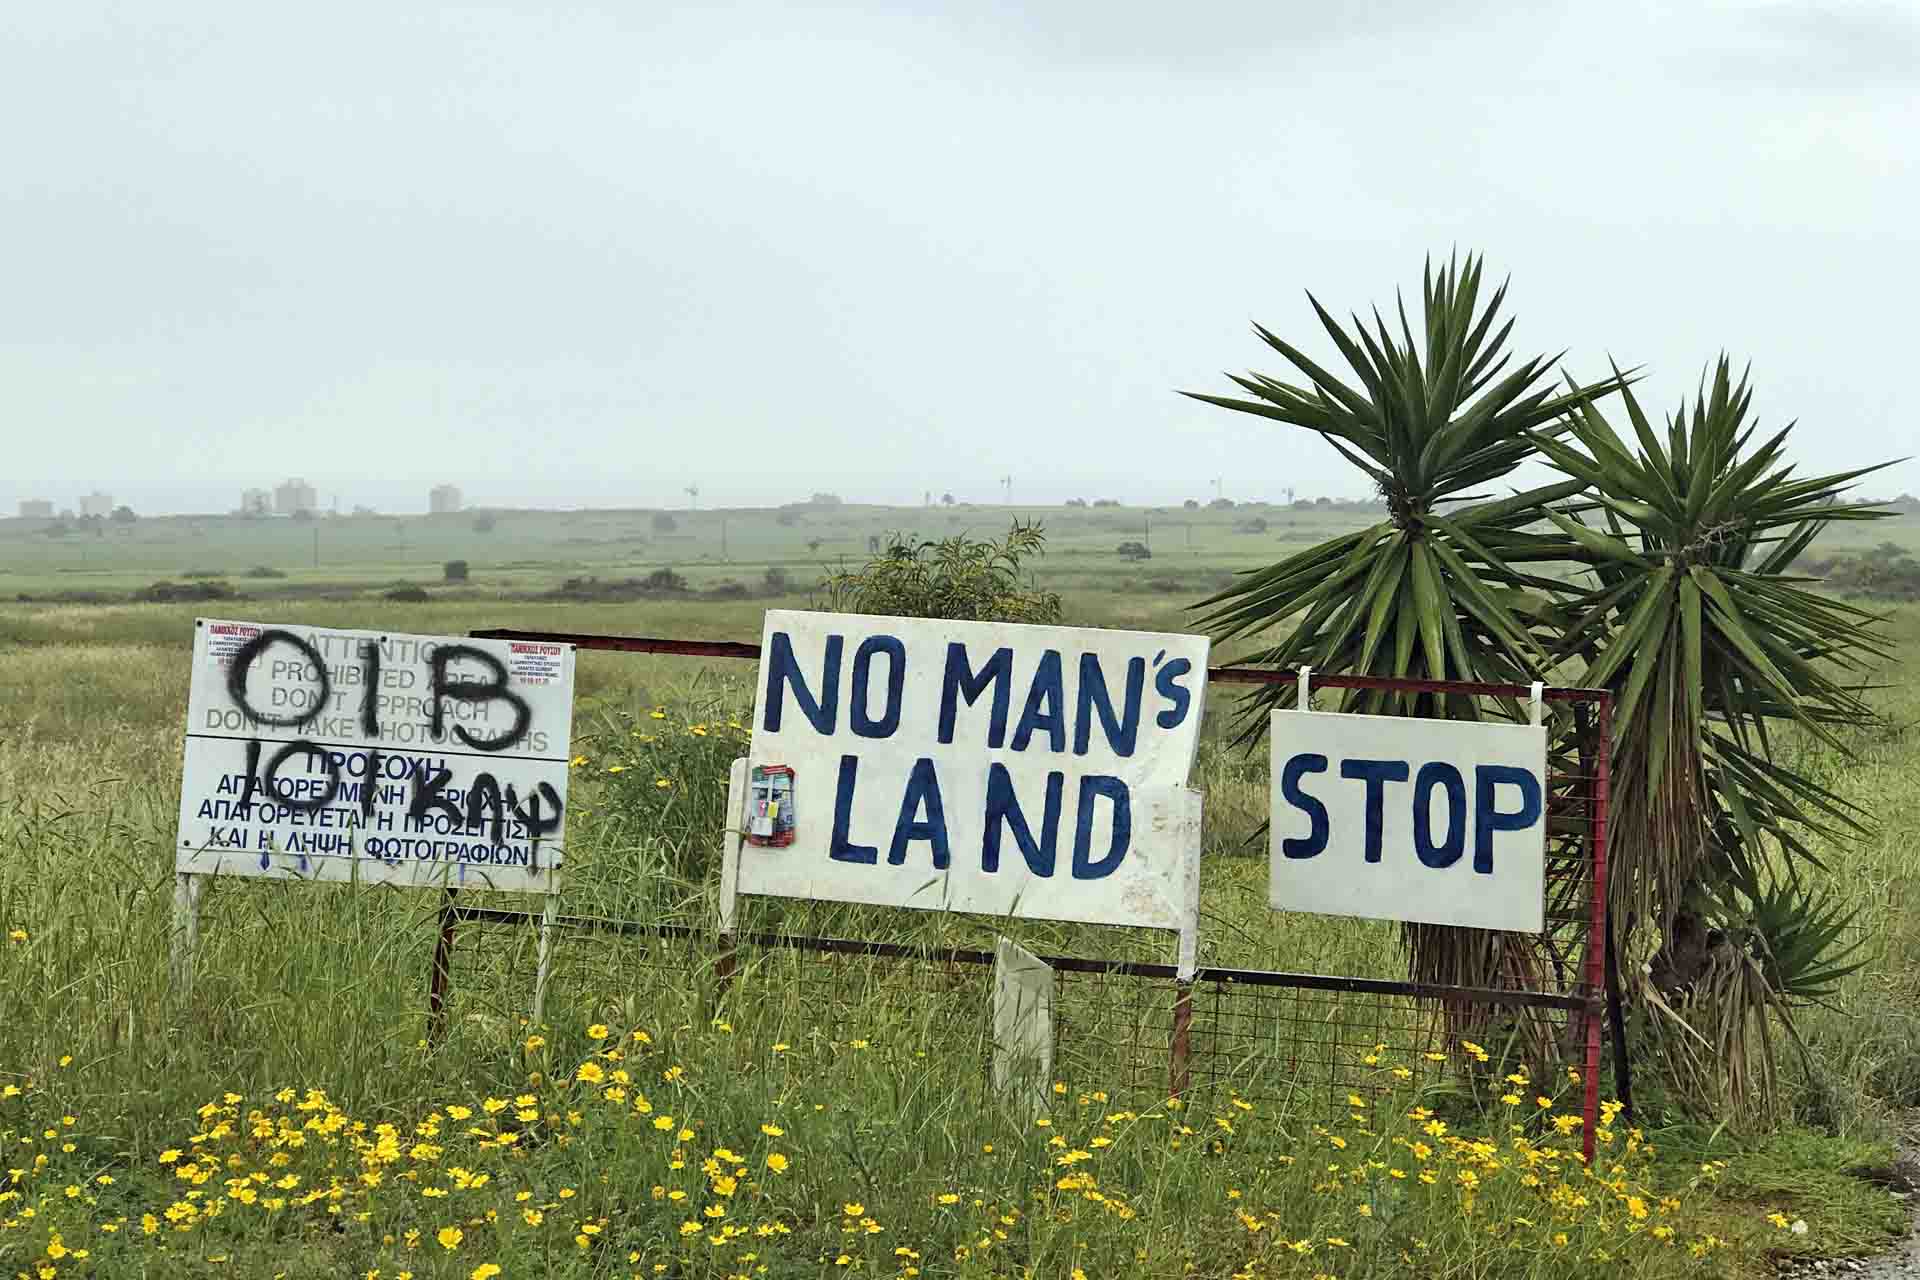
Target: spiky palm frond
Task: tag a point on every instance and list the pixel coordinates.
(1804, 938)
(1447, 586)
(1707, 641)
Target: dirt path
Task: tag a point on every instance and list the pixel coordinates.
(1903, 1263)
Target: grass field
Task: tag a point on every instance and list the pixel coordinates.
(786, 1126)
(535, 550)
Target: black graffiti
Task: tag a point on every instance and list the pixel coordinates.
(488, 806)
(369, 714)
(286, 796)
(466, 690)
(243, 661)
(494, 688)
(427, 798)
(271, 780)
(482, 795)
(248, 653)
(368, 792)
(531, 818)
(253, 768)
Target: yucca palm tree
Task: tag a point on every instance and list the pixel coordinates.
(1689, 614)
(1709, 643)
(1446, 587)
(1450, 586)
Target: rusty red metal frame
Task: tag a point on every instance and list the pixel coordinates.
(1218, 675)
(1586, 1004)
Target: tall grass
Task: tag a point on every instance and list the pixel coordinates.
(325, 986)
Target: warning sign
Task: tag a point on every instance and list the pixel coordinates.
(325, 754)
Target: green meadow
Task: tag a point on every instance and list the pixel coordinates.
(289, 1117)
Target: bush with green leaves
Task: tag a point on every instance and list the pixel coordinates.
(959, 578)
(1887, 572)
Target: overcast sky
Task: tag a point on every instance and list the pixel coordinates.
(593, 254)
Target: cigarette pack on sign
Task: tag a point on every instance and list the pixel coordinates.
(770, 806)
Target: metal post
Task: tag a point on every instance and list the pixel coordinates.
(550, 911)
(731, 840)
(1597, 938)
(1178, 1074)
(187, 891)
(440, 975)
(1617, 1029)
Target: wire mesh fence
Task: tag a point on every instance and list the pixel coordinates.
(1326, 1025)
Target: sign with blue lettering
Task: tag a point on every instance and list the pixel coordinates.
(1391, 818)
(972, 766)
(322, 754)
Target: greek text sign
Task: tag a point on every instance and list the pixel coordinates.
(978, 767)
(1435, 821)
(331, 755)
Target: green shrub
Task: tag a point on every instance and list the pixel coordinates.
(1888, 572)
(174, 592)
(664, 580)
(957, 577)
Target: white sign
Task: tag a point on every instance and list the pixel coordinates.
(1022, 1024)
(977, 767)
(1392, 818)
(332, 755)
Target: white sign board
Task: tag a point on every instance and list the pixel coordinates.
(1022, 1024)
(1393, 818)
(332, 755)
(977, 767)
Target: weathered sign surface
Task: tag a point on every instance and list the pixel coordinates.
(1392, 818)
(1022, 1024)
(331, 755)
(977, 767)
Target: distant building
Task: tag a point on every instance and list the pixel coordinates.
(256, 502)
(36, 509)
(291, 497)
(97, 504)
(443, 498)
